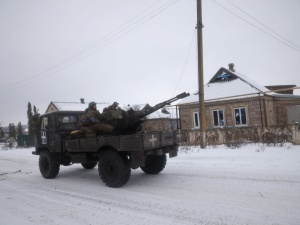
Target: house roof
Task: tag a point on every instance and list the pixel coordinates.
(159, 114)
(227, 85)
(73, 106)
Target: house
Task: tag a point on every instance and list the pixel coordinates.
(233, 100)
(163, 119)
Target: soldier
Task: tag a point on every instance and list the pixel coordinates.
(92, 122)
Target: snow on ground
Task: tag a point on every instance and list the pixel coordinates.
(214, 186)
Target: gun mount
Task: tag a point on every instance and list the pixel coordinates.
(128, 122)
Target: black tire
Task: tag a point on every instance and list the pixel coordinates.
(154, 164)
(89, 165)
(114, 170)
(49, 165)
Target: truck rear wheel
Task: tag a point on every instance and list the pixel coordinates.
(154, 164)
(114, 170)
(49, 165)
(89, 165)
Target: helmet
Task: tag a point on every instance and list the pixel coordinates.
(91, 104)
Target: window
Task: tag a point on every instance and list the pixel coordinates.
(218, 118)
(240, 116)
(67, 119)
(44, 124)
(196, 120)
(67, 122)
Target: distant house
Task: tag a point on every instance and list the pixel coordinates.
(163, 119)
(233, 100)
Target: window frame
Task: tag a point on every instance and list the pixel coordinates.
(218, 117)
(45, 123)
(240, 116)
(196, 117)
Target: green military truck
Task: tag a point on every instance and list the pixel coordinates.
(116, 154)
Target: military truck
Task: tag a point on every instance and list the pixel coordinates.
(128, 147)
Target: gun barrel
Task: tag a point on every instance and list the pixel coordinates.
(182, 95)
(158, 106)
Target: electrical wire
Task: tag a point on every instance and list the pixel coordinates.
(80, 53)
(252, 17)
(186, 60)
(257, 27)
(94, 47)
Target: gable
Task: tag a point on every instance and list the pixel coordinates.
(226, 75)
(223, 75)
(51, 108)
(227, 85)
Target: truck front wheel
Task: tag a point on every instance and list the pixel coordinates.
(114, 170)
(154, 164)
(49, 165)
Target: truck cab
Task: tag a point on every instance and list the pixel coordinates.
(54, 127)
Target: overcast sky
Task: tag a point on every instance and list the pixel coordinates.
(137, 52)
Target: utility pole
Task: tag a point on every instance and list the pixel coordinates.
(200, 76)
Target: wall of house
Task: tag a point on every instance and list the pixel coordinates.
(255, 113)
(264, 115)
(270, 112)
(280, 108)
(293, 114)
(160, 124)
(296, 134)
(263, 112)
(185, 114)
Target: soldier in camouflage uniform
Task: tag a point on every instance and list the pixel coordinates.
(92, 122)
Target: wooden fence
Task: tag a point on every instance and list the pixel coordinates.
(235, 137)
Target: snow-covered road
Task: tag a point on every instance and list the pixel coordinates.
(217, 186)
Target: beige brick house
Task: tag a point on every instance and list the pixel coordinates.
(233, 100)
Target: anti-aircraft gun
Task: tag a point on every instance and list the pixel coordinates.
(128, 122)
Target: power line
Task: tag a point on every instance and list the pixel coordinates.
(256, 26)
(81, 52)
(186, 60)
(94, 47)
(263, 24)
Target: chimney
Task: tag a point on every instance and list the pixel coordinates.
(231, 67)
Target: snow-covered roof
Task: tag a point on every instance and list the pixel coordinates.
(159, 114)
(228, 85)
(72, 106)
